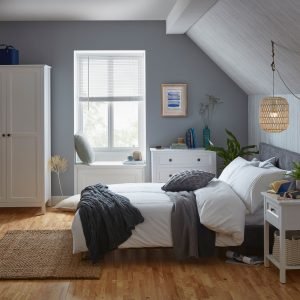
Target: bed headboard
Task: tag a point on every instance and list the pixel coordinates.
(285, 157)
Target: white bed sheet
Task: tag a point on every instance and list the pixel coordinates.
(156, 207)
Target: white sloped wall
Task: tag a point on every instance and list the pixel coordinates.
(237, 34)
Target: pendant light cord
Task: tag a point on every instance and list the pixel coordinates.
(273, 65)
(88, 83)
(275, 69)
(279, 75)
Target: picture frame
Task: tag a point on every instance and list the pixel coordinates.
(174, 100)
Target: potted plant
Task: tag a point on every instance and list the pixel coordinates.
(296, 174)
(233, 150)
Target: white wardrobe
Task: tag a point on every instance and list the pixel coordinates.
(25, 146)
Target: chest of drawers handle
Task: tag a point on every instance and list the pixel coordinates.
(170, 159)
(198, 159)
(170, 175)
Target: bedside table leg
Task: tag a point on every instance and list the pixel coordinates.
(266, 244)
(282, 257)
(282, 275)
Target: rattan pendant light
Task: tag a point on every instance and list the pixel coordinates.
(274, 111)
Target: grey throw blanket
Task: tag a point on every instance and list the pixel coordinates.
(107, 219)
(190, 237)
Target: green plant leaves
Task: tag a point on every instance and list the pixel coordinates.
(234, 150)
(296, 170)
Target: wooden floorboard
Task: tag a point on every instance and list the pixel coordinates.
(155, 274)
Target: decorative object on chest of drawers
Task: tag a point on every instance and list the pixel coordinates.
(166, 162)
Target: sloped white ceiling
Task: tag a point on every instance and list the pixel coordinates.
(236, 35)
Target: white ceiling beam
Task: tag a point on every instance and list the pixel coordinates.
(186, 13)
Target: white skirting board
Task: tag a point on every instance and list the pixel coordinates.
(55, 199)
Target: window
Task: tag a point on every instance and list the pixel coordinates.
(110, 100)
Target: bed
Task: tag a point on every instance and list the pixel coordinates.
(156, 206)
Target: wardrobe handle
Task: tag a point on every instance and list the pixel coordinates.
(170, 175)
(198, 159)
(8, 134)
(170, 159)
(3, 134)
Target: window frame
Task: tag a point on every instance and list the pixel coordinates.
(117, 153)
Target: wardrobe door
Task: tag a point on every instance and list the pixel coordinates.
(23, 107)
(2, 138)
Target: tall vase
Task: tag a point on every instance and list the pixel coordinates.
(206, 136)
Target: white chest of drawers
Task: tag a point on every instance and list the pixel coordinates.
(166, 162)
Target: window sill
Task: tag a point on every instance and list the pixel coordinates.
(110, 164)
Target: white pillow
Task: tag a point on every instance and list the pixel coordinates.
(234, 165)
(249, 181)
(221, 210)
(68, 204)
(266, 164)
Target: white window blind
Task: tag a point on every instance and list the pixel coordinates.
(117, 77)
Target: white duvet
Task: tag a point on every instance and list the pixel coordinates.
(220, 209)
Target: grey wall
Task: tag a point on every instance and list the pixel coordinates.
(169, 59)
(288, 139)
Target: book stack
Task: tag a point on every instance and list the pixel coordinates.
(178, 146)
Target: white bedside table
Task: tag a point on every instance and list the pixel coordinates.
(284, 215)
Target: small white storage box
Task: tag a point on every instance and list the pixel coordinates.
(292, 243)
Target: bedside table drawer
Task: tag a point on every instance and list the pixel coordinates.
(272, 213)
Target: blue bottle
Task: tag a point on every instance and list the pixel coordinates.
(206, 136)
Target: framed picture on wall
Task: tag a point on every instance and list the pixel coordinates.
(174, 100)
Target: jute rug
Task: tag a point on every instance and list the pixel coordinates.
(43, 254)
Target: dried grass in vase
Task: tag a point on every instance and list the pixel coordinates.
(58, 165)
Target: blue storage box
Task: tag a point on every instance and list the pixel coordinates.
(8, 55)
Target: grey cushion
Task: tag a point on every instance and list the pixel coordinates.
(188, 180)
(84, 149)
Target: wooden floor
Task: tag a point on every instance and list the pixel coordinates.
(146, 274)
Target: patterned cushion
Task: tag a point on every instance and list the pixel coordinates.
(188, 180)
